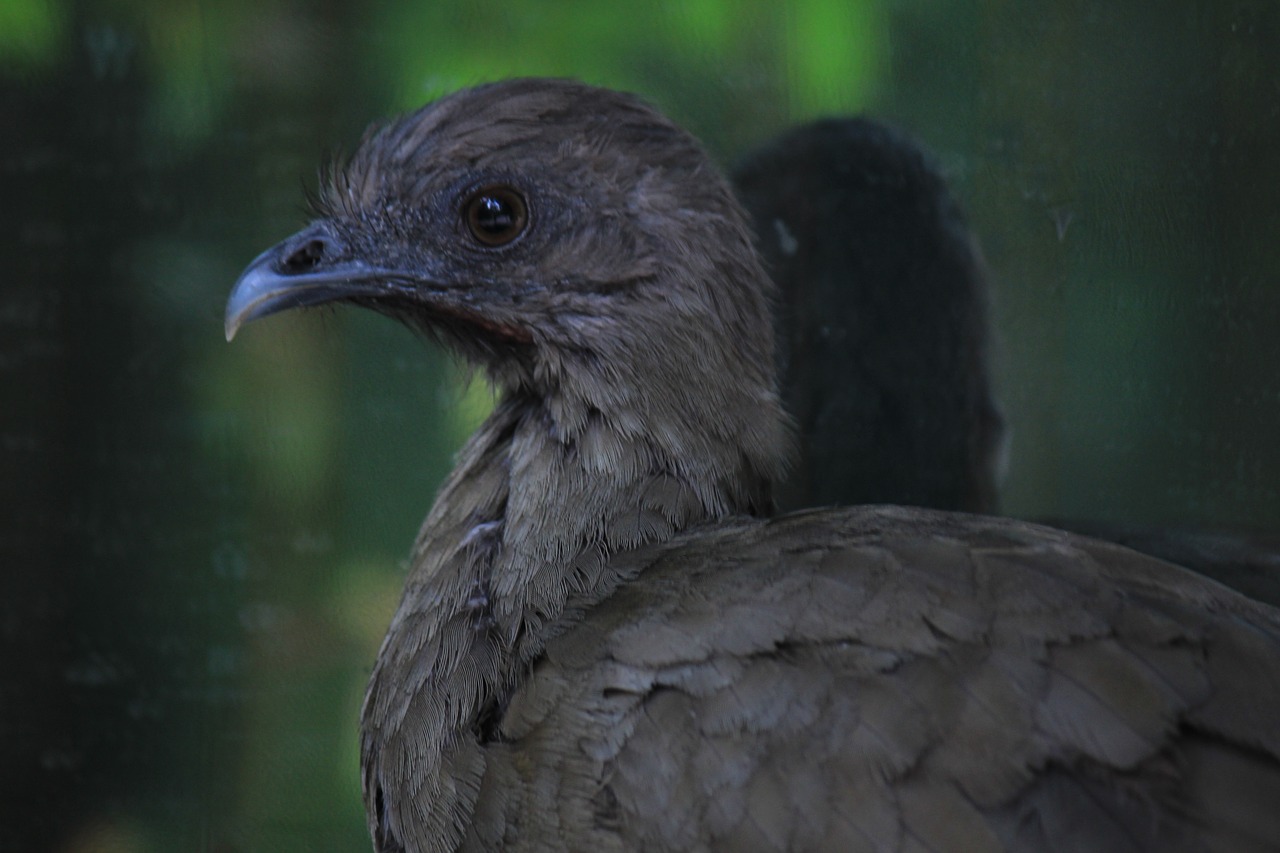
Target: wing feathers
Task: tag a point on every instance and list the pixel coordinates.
(984, 685)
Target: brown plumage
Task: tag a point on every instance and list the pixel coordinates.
(605, 645)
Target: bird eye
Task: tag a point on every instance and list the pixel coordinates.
(496, 215)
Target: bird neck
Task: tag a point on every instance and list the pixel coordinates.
(520, 535)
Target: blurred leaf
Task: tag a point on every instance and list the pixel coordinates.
(32, 33)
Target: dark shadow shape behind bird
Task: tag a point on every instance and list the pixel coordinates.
(882, 321)
(884, 337)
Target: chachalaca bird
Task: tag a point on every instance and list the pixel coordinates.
(884, 330)
(605, 643)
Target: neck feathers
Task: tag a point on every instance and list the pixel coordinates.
(520, 536)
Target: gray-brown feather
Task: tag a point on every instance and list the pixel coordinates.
(892, 679)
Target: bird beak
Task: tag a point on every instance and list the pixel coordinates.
(314, 267)
(309, 268)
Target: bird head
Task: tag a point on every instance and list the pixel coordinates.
(569, 239)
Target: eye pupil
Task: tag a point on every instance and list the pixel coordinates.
(496, 215)
(493, 215)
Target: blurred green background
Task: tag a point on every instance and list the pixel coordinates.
(202, 543)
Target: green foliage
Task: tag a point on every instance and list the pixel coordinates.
(32, 34)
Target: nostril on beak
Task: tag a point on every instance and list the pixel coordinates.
(305, 257)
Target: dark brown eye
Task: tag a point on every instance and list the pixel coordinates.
(496, 215)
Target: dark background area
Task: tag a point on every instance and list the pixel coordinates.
(202, 543)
